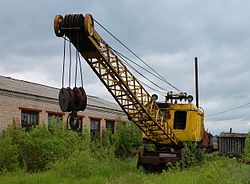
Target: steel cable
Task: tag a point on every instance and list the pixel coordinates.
(143, 75)
(160, 77)
(70, 63)
(64, 54)
(228, 110)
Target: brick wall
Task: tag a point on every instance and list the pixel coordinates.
(11, 104)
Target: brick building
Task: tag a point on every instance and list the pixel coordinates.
(28, 103)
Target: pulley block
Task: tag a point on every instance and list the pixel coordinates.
(64, 98)
(73, 122)
(72, 99)
(80, 99)
(84, 101)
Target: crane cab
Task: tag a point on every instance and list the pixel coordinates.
(185, 118)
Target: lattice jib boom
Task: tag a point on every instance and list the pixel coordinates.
(120, 82)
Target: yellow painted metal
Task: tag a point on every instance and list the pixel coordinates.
(135, 101)
(126, 89)
(194, 128)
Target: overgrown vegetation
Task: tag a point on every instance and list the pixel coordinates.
(247, 147)
(38, 148)
(193, 156)
(67, 157)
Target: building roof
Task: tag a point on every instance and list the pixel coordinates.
(233, 134)
(34, 89)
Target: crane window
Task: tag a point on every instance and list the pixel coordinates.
(180, 118)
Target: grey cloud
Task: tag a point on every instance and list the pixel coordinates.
(167, 34)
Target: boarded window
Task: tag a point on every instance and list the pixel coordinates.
(95, 128)
(180, 118)
(110, 125)
(29, 118)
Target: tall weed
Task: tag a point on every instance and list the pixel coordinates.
(247, 147)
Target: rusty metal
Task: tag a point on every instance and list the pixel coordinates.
(84, 100)
(72, 100)
(157, 160)
(80, 99)
(73, 122)
(57, 24)
(64, 98)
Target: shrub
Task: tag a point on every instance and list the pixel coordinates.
(36, 148)
(40, 146)
(9, 154)
(247, 147)
(9, 148)
(193, 155)
(128, 139)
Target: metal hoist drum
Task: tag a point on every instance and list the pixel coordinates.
(84, 101)
(66, 99)
(70, 100)
(80, 99)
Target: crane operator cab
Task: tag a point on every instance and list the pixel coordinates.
(185, 119)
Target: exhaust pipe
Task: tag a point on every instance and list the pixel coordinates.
(196, 83)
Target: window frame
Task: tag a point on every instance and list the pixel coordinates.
(57, 115)
(95, 133)
(180, 120)
(31, 113)
(107, 121)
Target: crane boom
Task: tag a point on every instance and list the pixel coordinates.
(136, 102)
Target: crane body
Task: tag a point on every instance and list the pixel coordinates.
(165, 124)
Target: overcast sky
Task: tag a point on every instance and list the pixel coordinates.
(168, 34)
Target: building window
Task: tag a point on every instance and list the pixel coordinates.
(54, 118)
(95, 128)
(110, 125)
(29, 118)
(180, 118)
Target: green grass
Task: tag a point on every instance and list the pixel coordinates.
(219, 170)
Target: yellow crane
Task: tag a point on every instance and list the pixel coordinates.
(166, 124)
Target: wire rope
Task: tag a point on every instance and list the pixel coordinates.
(162, 78)
(228, 110)
(70, 62)
(76, 66)
(80, 66)
(142, 75)
(118, 53)
(64, 54)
